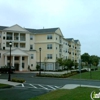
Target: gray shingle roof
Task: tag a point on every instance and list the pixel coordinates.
(42, 30)
(76, 41)
(69, 39)
(35, 30)
(2, 27)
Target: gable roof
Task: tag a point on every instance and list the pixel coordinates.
(17, 52)
(33, 30)
(16, 27)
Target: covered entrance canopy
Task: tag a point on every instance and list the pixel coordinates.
(17, 53)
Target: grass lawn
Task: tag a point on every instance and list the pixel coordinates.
(95, 75)
(79, 93)
(5, 86)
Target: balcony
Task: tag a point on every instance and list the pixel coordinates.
(69, 45)
(22, 45)
(15, 44)
(31, 48)
(60, 50)
(9, 38)
(16, 38)
(22, 37)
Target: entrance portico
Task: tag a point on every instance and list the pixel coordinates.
(19, 59)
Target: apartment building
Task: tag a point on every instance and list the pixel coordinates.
(74, 49)
(26, 43)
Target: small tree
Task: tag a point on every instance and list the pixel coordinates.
(37, 67)
(60, 62)
(75, 64)
(70, 63)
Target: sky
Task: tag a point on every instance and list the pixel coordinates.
(78, 19)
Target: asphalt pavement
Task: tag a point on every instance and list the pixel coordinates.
(35, 86)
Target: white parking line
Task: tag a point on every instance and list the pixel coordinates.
(56, 87)
(23, 85)
(51, 87)
(43, 87)
(33, 86)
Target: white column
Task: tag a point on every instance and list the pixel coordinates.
(13, 60)
(19, 36)
(20, 67)
(13, 36)
(5, 60)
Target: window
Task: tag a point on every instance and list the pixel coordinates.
(0, 35)
(49, 36)
(32, 56)
(49, 46)
(49, 56)
(16, 58)
(66, 43)
(4, 37)
(23, 58)
(0, 45)
(56, 38)
(31, 47)
(56, 56)
(0, 55)
(56, 48)
(8, 58)
(31, 37)
(3, 48)
(22, 65)
(32, 65)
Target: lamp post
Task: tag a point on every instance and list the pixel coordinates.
(9, 76)
(80, 70)
(40, 62)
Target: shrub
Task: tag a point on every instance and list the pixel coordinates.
(18, 80)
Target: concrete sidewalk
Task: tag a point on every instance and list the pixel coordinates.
(4, 81)
(73, 86)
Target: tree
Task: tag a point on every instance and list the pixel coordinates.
(65, 62)
(75, 64)
(94, 60)
(37, 67)
(70, 63)
(85, 58)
